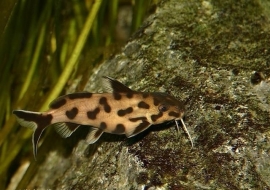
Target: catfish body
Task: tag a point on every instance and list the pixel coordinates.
(123, 111)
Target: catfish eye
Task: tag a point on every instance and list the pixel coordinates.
(163, 108)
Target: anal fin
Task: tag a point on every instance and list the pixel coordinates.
(65, 129)
(93, 135)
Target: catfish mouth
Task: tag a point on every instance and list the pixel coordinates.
(185, 129)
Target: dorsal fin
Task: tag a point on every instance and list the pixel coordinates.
(112, 85)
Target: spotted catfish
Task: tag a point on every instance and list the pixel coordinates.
(122, 111)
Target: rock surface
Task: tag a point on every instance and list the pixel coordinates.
(214, 56)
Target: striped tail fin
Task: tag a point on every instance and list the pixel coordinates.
(37, 121)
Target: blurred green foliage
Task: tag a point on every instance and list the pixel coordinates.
(45, 45)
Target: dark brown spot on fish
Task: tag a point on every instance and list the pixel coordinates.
(58, 103)
(155, 117)
(130, 94)
(93, 114)
(137, 119)
(145, 95)
(156, 101)
(117, 96)
(79, 95)
(71, 114)
(141, 127)
(174, 114)
(120, 129)
(103, 125)
(125, 112)
(107, 107)
(143, 105)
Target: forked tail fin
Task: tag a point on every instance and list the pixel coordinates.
(36, 121)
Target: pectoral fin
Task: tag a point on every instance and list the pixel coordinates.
(94, 135)
(138, 129)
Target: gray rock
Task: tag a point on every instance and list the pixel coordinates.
(214, 56)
